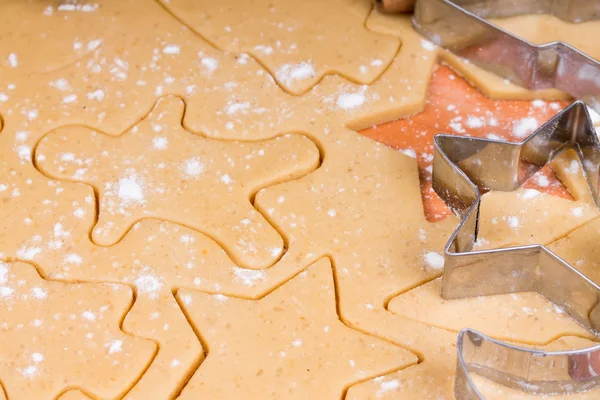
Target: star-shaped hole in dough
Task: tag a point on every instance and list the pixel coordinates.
(290, 344)
(158, 169)
(55, 336)
(298, 43)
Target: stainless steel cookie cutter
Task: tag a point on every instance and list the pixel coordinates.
(459, 26)
(461, 167)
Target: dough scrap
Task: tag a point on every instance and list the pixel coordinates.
(579, 248)
(157, 169)
(297, 43)
(57, 335)
(523, 317)
(289, 344)
(540, 29)
(526, 216)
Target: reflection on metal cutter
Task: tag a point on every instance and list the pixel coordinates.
(461, 167)
(460, 27)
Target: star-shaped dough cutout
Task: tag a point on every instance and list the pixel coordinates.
(158, 169)
(302, 42)
(55, 336)
(290, 344)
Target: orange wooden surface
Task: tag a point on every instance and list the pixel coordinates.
(453, 106)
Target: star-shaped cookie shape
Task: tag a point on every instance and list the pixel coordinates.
(290, 344)
(158, 169)
(55, 336)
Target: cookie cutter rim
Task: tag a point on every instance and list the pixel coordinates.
(549, 65)
(457, 175)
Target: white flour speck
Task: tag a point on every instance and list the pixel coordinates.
(529, 194)
(73, 258)
(288, 73)
(28, 253)
(130, 190)
(263, 49)
(97, 94)
(427, 45)
(60, 84)
(542, 181)
(513, 222)
(171, 49)
(160, 142)
(474, 122)
(148, 284)
(3, 272)
(235, 107)
(210, 63)
(248, 277)
(6, 291)
(90, 316)
(115, 346)
(538, 103)
(409, 152)
(226, 179)
(573, 167)
(69, 98)
(93, 44)
(524, 127)
(186, 298)
(193, 166)
(39, 293)
(29, 371)
(12, 60)
(348, 101)
(577, 212)
(434, 260)
(387, 387)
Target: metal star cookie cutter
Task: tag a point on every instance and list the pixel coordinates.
(461, 167)
(459, 26)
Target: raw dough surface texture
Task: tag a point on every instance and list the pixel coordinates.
(187, 210)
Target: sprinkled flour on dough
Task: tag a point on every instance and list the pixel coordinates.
(130, 190)
(525, 127)
(288, 73)
(513, 222)
(148, 284)
(248, 277)
(348, 101)
(193, 167)
(434, 260)
(171, 49)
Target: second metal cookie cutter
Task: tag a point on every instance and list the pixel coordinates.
(461, 167)
(459, 26)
